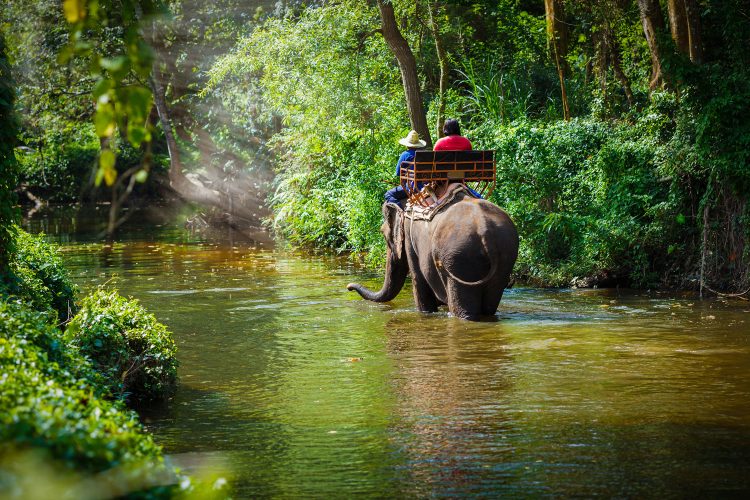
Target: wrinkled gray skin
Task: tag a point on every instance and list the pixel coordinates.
(462, 258)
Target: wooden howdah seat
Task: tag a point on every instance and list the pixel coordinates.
(475, 169)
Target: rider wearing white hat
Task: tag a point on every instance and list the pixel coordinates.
(412, 142)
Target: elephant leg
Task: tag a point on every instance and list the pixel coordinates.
(491, 299)
(424, 297)
(464, 301)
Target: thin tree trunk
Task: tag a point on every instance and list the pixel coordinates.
(704, 251)
(613, 56)
(557, 37)
(653, 26)
(177, 180)
(443, 61)
(408, 66)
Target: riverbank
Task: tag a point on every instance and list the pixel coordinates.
(70, 369)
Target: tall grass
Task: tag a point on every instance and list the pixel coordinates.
(495, 95)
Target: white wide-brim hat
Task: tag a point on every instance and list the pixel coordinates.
(412, 140)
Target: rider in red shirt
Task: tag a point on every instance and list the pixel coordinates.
(453, 140)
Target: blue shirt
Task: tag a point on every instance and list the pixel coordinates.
(407, 155)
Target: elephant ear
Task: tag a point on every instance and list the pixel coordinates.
(393, 215)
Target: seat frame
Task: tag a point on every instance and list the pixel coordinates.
(475, 169)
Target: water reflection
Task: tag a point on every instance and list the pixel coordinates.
(302, 389)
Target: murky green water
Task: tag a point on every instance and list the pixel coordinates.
(298, 388)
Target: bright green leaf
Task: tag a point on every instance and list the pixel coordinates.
(102, 87)
(104, 119)
(107, 160)
(141, 176)
(137, 134)
(117, 66)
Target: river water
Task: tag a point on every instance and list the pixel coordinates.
(294, 387)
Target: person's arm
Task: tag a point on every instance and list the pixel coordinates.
(398, 165)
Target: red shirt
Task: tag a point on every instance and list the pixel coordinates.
(452, 143)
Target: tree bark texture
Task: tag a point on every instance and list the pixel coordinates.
(408, 66)
(557, 37)
(678, 25)
(653, 27)
(685, 25)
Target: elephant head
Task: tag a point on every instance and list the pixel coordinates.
(397, 266)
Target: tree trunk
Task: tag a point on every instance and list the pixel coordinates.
(557, 37)
(653, 27)
(678, 25)
(694, 31)
(443, 61)
(408, 66)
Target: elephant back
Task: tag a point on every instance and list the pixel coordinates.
(457, 193)
(474, 241)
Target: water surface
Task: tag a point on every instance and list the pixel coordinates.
(298, 388)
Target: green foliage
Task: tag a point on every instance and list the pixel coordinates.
(62, 165)
(37, 276)
(123, 100)
(342, 113)
(7, 161)
(133, 351)
(585, 199)
(47, 399)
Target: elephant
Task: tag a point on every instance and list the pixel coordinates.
(461, 255)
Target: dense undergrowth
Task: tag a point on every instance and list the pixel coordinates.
(65, 429)
(636, 177)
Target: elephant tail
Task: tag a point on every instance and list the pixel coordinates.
(490, 274)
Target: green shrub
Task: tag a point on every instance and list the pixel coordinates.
(38, 277)
(60, 171)
(127, 345)
(586, 198)
(47, 399)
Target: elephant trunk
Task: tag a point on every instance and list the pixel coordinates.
(395, 276)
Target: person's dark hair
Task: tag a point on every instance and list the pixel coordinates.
(450, 127)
